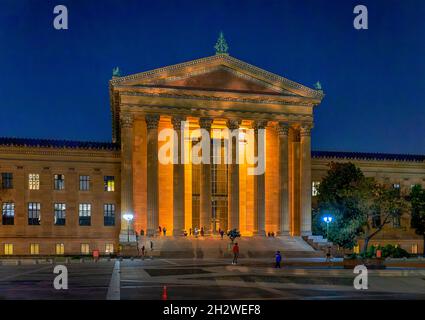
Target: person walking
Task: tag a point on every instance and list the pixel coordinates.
(190, 231)
(160, 230)
(278, 259)
(143, 252)
(164, 230)
(221, 234)
(235, 253)
(328, 254)
(202, 231)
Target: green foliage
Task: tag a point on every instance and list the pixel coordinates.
(417, 199)
(388, 251)
(359, 206)
(369, 253)
(337, 197)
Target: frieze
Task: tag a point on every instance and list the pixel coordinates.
(209, 111)
(212, 98)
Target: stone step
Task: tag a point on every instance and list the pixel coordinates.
(215, 247)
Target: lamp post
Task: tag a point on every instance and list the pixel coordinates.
(327, 219)
(128, 217)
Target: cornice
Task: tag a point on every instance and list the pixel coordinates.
(367, 159)
(59, 152)
(175, 94)
(218, 113)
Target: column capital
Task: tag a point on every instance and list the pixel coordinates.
(259, 124)
(126, 120)
(152, 121)
(283, 128)
(205, 123)
(233, 124)
(305, 129)
(176, 120)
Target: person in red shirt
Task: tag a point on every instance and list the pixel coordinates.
(235, 253)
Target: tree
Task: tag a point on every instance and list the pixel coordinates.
(340, 181)
(359, 205)
(379, 206)
(417, 200)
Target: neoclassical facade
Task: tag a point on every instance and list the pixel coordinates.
(212, 93)
(67, 197)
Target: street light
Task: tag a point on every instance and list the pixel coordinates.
(128, 217)
(327, 219)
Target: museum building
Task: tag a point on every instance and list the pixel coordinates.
(69, 197)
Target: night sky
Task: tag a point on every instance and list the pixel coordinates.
(54, 84)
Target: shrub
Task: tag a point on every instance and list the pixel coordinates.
(391, 251)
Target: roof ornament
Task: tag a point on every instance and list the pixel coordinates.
(318, 86)
(221, 46)
(116, 72)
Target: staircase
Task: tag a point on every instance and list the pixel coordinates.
(214, 247)
(322, 244)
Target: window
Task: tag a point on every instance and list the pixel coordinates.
(315, 188)
(376, 218)
(34, 181)
(60, 248)
(109, 214)
(85, 248)
(85, 214)
(59, 183)
(8, 248)
(8, 213)
(34, 248)
(60, 211)
(397, 220)
(414, 249)
(7, 180)
(109, 183)
(33, 213)
(84, 183)
(109, 248)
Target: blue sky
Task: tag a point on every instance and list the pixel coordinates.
(54, 84)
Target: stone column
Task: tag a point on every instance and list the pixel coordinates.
(284, 216)
(305, 170)
(233, 177)
(127, 228)
(205, 187)
(152, 121)
(178, 179)
(259, 181)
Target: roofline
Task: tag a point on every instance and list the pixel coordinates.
(58, 144)
(110, 146)
(367, 156)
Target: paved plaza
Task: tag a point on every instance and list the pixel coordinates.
(205, 279)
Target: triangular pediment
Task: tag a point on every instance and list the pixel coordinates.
(219, 73)
(222, 79)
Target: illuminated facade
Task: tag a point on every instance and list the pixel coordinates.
(213, 93)
(62, 197)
